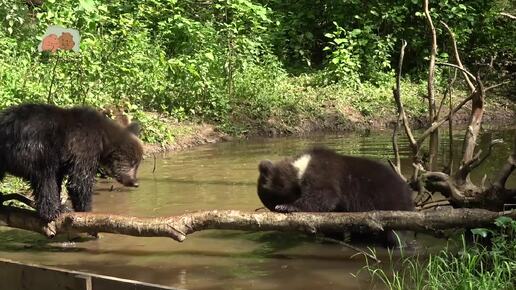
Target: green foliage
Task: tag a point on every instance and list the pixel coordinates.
(211, 61)
(363, 32)
(154, 55)
(359, 54)
(13, 185)
(473, 267)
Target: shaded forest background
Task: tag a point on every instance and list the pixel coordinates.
(244, 64)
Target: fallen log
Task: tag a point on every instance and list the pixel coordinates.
(178, 227)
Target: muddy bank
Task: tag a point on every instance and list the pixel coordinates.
(344, 119)
(187, 135)
(501, 113)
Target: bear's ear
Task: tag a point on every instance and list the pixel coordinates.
(134, 128)
(266, 167)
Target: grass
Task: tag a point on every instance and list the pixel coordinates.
(286, 103)
(12, 184)
(472, 267)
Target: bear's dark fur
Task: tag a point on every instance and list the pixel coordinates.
(44, 144)
(320, 180)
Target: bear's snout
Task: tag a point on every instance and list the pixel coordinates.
(128, 181)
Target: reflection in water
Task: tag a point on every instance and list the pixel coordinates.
(221, 176)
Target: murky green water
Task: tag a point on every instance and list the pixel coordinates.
(220, 176)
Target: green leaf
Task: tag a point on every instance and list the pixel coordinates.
(503, 221)
(339, 40)
(87, 5)
(355, 32)
(480, 232)
(210, 56)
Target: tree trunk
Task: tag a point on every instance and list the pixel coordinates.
(178, 227)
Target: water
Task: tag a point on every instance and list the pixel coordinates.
(220, 176)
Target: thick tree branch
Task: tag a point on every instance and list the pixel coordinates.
(476, 161)
(475, 121)
(443, 183)
(506, 170)
(402, 117)
(432, 113)
(178, 227)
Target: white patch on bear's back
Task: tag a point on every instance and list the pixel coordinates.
(301, 164)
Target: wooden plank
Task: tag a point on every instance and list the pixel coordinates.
(102, 283)
(17, 276)
(20, 276)
(86, 280)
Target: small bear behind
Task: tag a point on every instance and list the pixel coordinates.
(320, 180)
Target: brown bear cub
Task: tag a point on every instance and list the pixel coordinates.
(321, 180)
(44, 144)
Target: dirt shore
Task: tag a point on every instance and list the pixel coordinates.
(186, 135)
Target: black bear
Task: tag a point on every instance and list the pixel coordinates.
(44, 144)
(320, 180)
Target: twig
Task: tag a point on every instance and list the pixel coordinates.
(431, 207)
(351, 247)
(497, 85)
(439, 123)
(419, 201)
(457, 56)
(154, 166)
(457, 67)
(508, 15)
(18, 197)
(432, 203)
(450, 129)
(447, 91)
(49, 97)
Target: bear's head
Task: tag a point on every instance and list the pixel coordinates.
(278, 183)
(124, 155)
